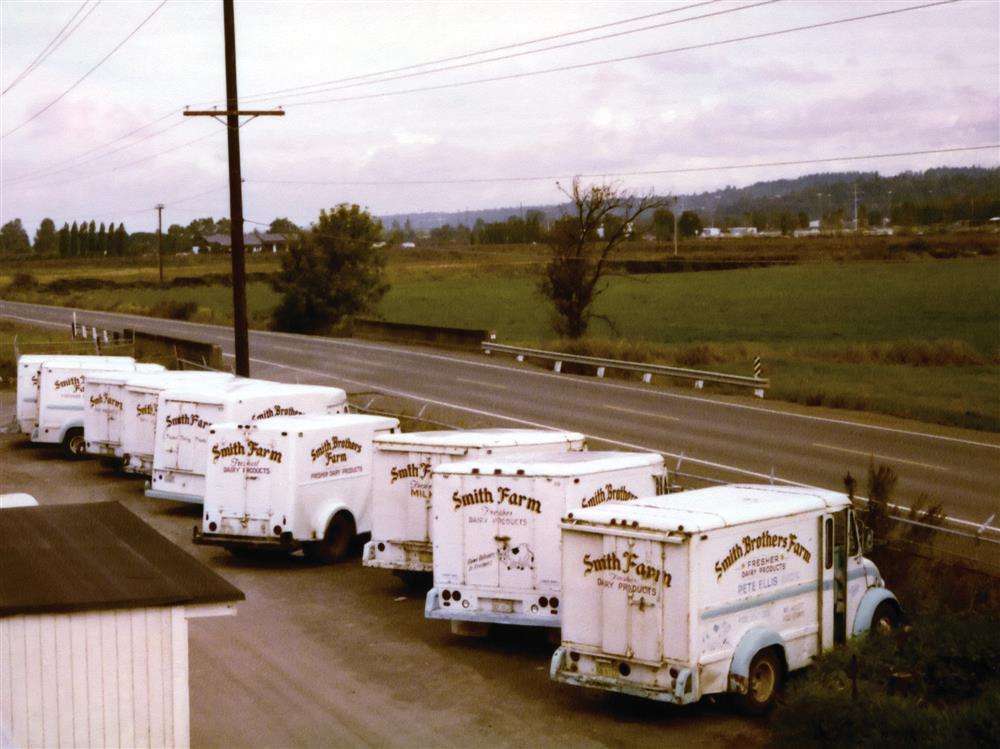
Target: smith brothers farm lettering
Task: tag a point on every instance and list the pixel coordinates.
(762, 571)
(609, 493)
(276, 410)
(334, 450)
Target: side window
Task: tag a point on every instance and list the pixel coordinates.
(853, 547)
(828, 547)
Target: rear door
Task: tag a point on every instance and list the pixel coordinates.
(185, 433)
(265, 491)
(632, 583)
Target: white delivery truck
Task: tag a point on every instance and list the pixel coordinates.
(496, 530)
(184, 415)
(104, 407)
(296, 482)
(62, 398)
(401, 495)
(29, 380)
(141, 402)
(714, 590)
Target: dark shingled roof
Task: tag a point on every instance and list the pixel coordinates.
(83, 557)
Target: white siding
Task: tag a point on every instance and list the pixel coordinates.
(109, 679)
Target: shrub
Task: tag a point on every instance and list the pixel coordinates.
(174, 310)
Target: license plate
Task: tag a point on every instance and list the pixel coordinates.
(606, 669)
(503, 607)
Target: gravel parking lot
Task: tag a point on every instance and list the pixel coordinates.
(342, 655)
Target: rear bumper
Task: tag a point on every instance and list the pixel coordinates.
(581, 673)
(411, 556)
(491, 607)
(194, 499)
(284, 542)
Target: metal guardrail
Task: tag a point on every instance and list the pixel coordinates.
(759, 384)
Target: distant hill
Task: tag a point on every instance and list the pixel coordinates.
(934, 196)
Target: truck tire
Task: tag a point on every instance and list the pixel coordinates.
(337, 541)
(886, 618)
(74, 445)
(763, 683)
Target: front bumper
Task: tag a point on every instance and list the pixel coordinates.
(409, 556)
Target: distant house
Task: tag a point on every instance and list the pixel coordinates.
(94, 610)
(743, 231)
(254, 242)
(710, 232)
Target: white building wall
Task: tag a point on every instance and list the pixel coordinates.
(95, 679)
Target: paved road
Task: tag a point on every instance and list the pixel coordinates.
(727, 437)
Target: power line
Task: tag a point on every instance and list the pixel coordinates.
(643, 173)
(53, 45)
(80, 80)
(322, 85)
(550, 48)
(51, 172)
(626, 58)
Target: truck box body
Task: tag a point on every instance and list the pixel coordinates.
(184, 416)
(62, 394)
(278, 483)
(673, 597)
(29, 378)
(496, 529)
(103, 409)
(401, 496)
(141, 402)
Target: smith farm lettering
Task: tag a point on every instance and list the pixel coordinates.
(147, 410)
(409, 471)
(249, 449)
(187, 420)
(627, 573)
(764, 541)
(70, 382)
(104, 398)
(504, 496)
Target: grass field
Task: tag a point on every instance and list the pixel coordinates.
(917, 338)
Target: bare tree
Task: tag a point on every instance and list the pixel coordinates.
(582, 243)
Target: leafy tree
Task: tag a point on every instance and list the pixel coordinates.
(663, 224)
(689, 224)
(572, 278)
(14, 239)
(283, 226)
(46, 240)
(92, 248)
(102, 240)
(334, 271)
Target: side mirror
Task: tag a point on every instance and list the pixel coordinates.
(867, 540)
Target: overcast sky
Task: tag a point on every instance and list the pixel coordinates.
(912, 81)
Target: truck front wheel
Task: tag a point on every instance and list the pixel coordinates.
(74, 444)
(763, 683)
(337, 540)
(886, 618)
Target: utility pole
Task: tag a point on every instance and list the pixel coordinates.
(159, 237)
(856, 227)
(237, 251)
(677, 208)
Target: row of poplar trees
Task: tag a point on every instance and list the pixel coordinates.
(88, 239)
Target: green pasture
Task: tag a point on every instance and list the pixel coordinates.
(917, 338)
